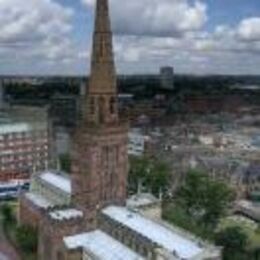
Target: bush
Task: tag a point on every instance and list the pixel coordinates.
(7, 214)
(203, 198)
(151, 172)
(234, 240)
(179, 217)
(26, 238)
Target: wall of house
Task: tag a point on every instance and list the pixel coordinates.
(28, 214)
(128, 237)
(51, 236)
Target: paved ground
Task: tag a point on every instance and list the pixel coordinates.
(7, 252)
(3, 257)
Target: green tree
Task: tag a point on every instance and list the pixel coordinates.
(158, 178)
(7, 213)
(152, 173)
(178, 216)
(204, 199)
(234, 242)
(26, 237)
(139, 168)
(256, 253)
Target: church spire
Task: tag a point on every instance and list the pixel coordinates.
(99, 158)
(102, 91)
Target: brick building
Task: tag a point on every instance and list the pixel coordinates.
(202, 104)
(96, 224)
(24, 142)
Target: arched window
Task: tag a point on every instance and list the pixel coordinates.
(101, 109)
(101, 49)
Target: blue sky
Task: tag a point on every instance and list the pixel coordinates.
(200, 37)
(231, 11)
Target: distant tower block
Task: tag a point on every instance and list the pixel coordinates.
(167, 78)
(83, 89)
(82, 96)
(1, 95)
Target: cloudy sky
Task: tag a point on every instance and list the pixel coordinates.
(194, 36)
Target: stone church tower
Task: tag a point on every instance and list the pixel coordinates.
(99, 157)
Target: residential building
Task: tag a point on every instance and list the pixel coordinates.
(24, 142)
(137, 143)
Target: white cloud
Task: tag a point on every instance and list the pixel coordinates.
(249, 29)
(150, 33)
(245, 37)
(222, 51)
(37, 35)
(89, 2)
(156, 17)
(34, 29)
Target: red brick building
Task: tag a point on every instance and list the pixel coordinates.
(202, 104)
(24, 142)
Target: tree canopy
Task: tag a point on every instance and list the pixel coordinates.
(203, 198)
(152, 173)
(7, 213)
(234, 242)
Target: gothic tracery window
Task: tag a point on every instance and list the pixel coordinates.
(101, 109)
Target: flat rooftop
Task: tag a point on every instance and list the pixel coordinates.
(141, 200)
(66, 214)
(61, 182)
(249, 209)
(14, 128)
(38, 200)
(159, 234)
(101, 245)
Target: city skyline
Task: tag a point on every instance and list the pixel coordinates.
(98, 165)
(200, 37)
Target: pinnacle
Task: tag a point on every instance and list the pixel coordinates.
(102, 78)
